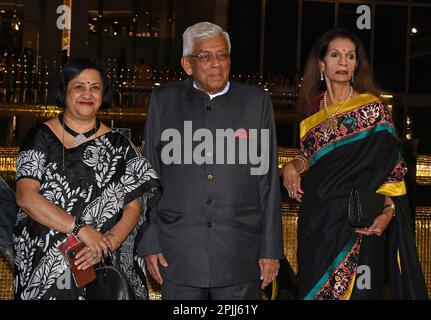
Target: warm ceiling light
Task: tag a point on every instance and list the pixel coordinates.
(414, 30)
(15, 23)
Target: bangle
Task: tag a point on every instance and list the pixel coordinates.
(115, 237)
(304, 161)
(392, 206)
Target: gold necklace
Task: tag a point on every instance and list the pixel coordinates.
(331, 122)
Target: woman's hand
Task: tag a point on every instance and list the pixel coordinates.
(292, 181)
(95, 246)
(382, 220)
(98, 244)
(112, 241)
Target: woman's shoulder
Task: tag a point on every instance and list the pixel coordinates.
(40, 128)
(369, 101)
(39, 136)
(119, 135)
(368, 97)
(121, 138)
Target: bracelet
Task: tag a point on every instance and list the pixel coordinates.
(304, 161)
(115, 237)
(392, 206)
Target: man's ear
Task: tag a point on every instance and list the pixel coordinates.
(185, 63)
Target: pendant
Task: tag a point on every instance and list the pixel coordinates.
(79, 139)
(331, 124)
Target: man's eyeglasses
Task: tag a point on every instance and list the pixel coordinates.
(205, 57)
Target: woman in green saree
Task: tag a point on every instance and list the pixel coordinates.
(348, 140)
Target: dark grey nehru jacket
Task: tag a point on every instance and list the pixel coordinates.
(214, 221)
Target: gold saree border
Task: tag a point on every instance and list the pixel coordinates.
(393, 189)
(360, 100)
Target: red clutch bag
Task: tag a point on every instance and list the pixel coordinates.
(69, 249)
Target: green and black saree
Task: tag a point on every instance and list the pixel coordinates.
(362, 151)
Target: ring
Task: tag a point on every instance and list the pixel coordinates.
(88, 249)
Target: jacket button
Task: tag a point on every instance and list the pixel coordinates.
(209, 201)
(210, 177)
(209, 108)
(209, 224)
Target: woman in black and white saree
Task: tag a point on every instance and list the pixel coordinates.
(76, 177)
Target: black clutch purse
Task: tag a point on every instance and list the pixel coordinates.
(110, 283)
(364, 207)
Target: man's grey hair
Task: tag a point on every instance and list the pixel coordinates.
(201, 30)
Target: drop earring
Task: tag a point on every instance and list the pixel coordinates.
(321, 75)
(353, 76)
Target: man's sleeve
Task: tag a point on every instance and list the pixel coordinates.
(149, 243)
(269, 189)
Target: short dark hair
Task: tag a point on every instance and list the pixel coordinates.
(72, 69)
(364, 81)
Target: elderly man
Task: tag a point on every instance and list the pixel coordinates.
(216, 232)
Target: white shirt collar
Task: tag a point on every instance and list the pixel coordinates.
(226, 88)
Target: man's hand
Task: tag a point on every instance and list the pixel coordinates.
(152, 261)
(268, 270)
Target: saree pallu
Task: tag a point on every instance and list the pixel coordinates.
(361, 151)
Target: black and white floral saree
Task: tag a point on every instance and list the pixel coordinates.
(94, 180)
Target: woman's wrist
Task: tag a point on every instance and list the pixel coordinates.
(389, 207)
(116, 239)
(301, 164)
(72, 226)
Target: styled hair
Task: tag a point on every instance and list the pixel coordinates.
(201, 30)
(72, 69)
(363, 79)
